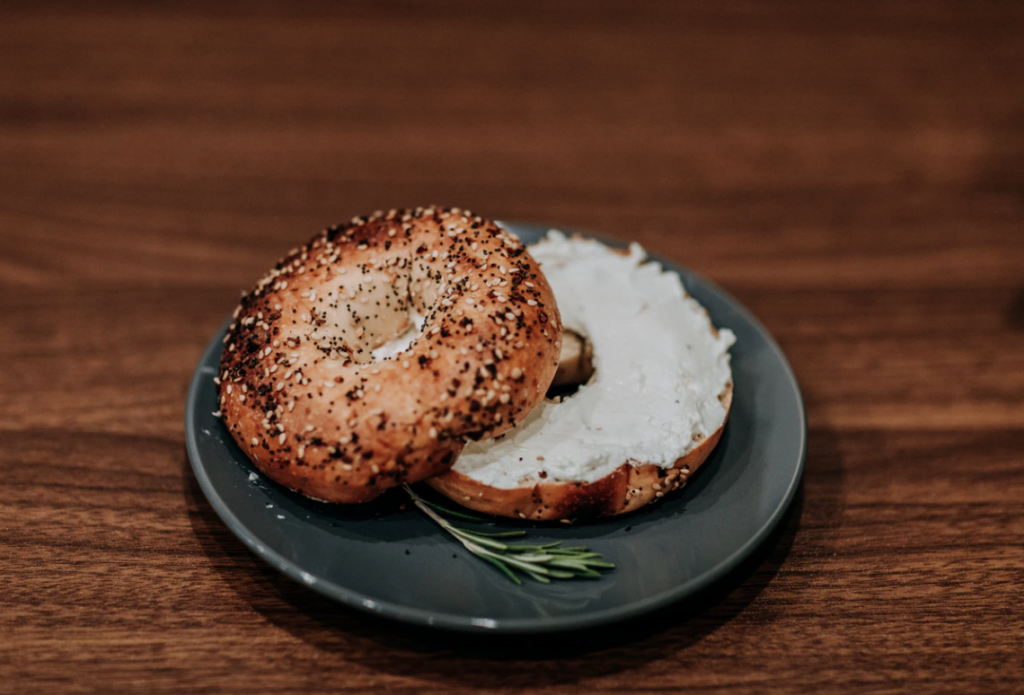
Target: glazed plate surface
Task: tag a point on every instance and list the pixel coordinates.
(398, 564)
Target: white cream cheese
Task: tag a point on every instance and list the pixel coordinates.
(659, 370)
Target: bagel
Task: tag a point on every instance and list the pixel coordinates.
(368, 357)
(647, 417)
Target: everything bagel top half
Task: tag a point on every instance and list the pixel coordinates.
(367, 358)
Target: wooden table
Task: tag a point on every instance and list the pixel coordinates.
(853, 174)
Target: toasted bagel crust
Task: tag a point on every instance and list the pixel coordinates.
(627, 488)
(306, 401)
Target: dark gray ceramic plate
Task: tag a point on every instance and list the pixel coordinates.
(396, 563)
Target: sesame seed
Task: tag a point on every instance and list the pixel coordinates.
(254, 441)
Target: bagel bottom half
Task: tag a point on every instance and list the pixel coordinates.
(655, 391)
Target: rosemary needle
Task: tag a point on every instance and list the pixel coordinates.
(540, 562)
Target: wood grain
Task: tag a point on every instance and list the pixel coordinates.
(852, 172)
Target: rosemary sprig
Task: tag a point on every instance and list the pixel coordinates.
(540, 562)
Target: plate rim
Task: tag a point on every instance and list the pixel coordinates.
(483, 625)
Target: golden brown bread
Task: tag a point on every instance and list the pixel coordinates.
(302, 394)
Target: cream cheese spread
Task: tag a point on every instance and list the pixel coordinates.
(659, 369)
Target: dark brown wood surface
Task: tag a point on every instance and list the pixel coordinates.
(852, 172)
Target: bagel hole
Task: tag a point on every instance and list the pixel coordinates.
(373, 315)
(401, 342)
(417, 299)
(575, 365)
